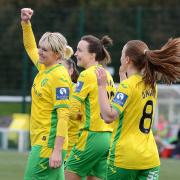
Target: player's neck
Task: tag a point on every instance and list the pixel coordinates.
(132, 72)
(93, 63)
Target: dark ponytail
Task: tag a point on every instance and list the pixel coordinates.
(106, 42)
(72, 64)
(99, 48)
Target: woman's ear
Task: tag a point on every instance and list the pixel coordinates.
(93, 55)
(127, 60)
(58, 56)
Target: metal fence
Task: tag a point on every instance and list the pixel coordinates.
(154, 26)
(16, 135)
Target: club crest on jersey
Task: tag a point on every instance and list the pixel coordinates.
(79, 86)
(62, 93)
(120, 98)
(124, 85)
(44, 82)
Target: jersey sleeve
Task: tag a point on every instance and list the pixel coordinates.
(82, 89)
(61, 101)
(61, 92)
(30, 44)
(122, 97)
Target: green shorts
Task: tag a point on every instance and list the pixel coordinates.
(115, 173)
(89, 156)
(38, 165)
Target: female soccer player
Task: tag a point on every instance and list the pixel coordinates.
(74, 126)
(50, 103)
(89, 156)
(133, 153)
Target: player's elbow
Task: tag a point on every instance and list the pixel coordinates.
(108, 119)
(111, 116)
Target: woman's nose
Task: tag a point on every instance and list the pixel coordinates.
(39, 51)
(75, 53)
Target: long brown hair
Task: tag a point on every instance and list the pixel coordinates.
(99, 47)
(157, 65)
(72, 64)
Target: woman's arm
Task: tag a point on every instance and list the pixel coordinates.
(107, 112)
(61, 140)
(28, 36)
(55, 159)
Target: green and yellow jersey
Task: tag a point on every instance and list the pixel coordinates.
(133, 145)
(50, 97)
(86, 93)
(74, 127)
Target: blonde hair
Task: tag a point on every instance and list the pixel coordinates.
(57, 43)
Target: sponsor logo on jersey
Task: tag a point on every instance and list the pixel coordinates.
(62, 93)
(120, 98)
(79, 86)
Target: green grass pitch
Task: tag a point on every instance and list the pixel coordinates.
(12, 165)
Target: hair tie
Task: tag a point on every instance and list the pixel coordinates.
(68, 52)
(145, 51)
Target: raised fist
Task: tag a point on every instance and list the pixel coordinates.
(26, 14)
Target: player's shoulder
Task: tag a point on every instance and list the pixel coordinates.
(86, 74)
(61, 73)
(125, 84)
(60, 70)
(131, 82)
(131, 85)
(109, 76)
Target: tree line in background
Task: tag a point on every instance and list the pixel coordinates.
(75, 18)
(89, 3)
